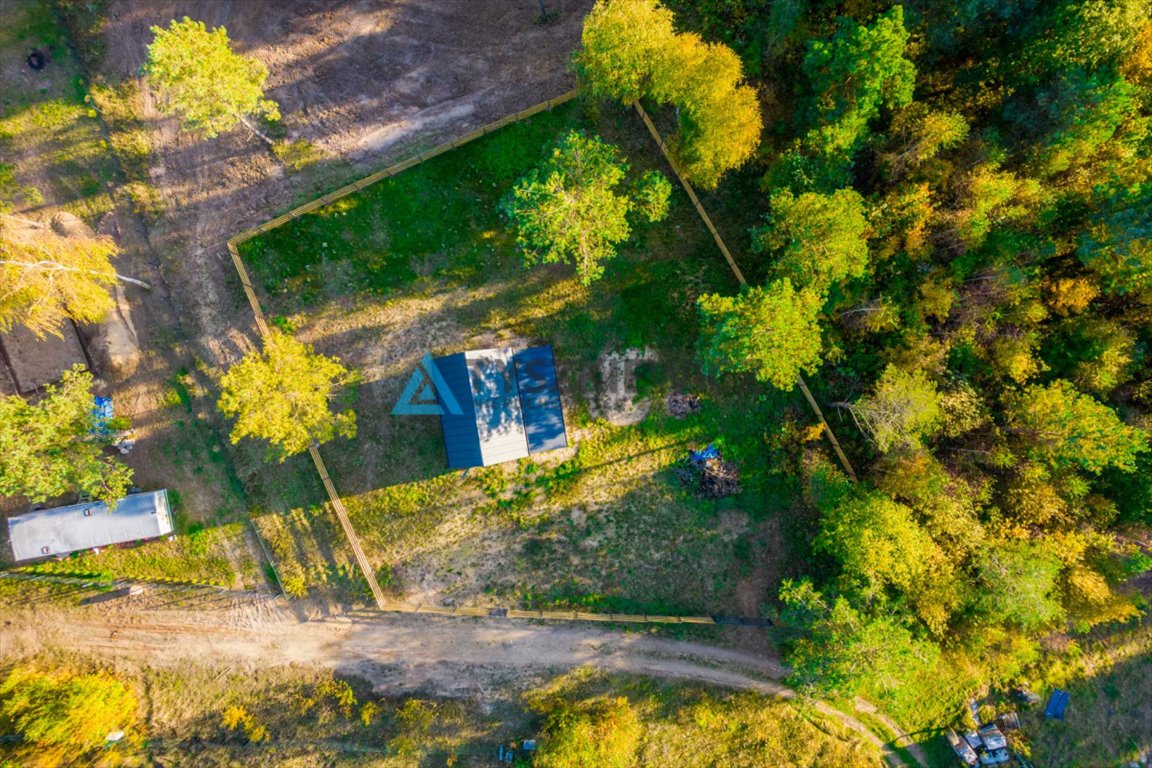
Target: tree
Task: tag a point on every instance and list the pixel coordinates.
(1095, 353)
(1067, 428)
(1085, 112)
(842, 651)
(1118, 245)
(878, 544)
(46, 278)
(64, 717)
(770, 332)
(820, 239)
(860, 69)
(919, 133)
(853, 74)
(902, 410)
(1019, 584)
(600, 733)
(204, 83)
(283, 395)
(50, 448)
(620, 44)
(568, 210)
(630, 51)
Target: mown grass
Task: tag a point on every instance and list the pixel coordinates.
(606, 528)
(218, 556)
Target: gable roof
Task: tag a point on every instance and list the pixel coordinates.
(509, 406)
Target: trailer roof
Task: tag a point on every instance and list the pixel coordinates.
(84, 526)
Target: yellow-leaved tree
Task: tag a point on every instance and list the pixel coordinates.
(47, 278)
(64, 717)
(284, 395)
(630, 50)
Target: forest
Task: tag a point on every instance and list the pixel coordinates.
(989, 345)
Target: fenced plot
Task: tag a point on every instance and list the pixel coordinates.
(423, 261)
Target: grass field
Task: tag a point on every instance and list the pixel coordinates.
(423, 262)
(220, 556)
(1109, 711)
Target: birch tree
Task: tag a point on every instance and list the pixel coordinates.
(46, 278)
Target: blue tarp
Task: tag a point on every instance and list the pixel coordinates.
(101, 415)
(699, 457)
(1056, 705)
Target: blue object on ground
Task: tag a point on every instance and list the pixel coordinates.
(1056, 705)
(101, 415)
(699, 457)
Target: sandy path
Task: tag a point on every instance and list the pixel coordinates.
(453, 657)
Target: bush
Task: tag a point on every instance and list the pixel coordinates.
(297, 155)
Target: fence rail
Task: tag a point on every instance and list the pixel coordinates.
(739, 275)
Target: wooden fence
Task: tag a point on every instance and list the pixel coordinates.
(337, 504)
(739, 275)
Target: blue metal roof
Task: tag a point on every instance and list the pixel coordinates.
(510, 406)
(540, 399)
(461, 440)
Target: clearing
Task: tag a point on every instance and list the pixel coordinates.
(423, 262)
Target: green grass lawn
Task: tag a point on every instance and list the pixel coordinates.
(424, 262)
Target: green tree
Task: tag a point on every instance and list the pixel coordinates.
(1095, 353)
(919, 133)
(600, 733)
(49, 448)
(770, 332)
(1085, 112)
(819, 239)
(902, 409)
(878, 543)
(283, 395)
(204, 83)
(843, 652)
(46, 278)
(652, 195)
(63, 717)
(859, 70)
(1068, 428)
(1018, 582)
(568, 210)
(1118, 244)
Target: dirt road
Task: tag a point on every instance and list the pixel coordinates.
(451, 657)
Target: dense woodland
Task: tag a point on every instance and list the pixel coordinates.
(990, 342)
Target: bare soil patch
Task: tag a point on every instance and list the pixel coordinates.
(366, 82)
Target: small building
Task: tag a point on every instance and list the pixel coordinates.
(1056, 705)
(963, 749)
(79, 527)
(507, 406)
